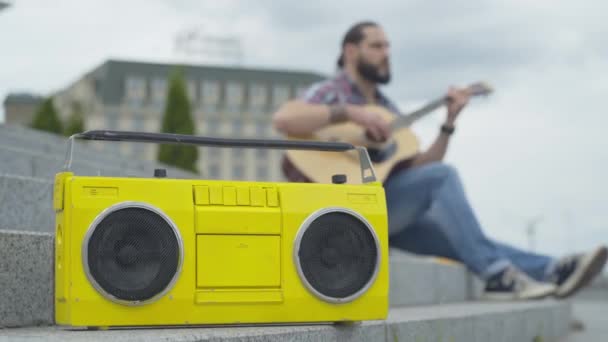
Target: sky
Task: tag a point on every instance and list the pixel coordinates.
(533, 151)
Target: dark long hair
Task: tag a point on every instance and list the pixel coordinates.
(354, 35)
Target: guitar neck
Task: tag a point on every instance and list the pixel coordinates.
(407, 120)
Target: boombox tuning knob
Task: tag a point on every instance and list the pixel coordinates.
(338, 179)
(160, 173)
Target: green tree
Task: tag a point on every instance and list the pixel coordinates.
(177, 118)
(46, 118)
(75, 122)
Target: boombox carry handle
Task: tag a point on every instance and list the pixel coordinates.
(170, 138)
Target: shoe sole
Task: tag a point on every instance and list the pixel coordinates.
(584, 274)
(540, 292)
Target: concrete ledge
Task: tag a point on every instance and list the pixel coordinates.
(417, 280)
(526, 321)
(26, 203)
(26, 279)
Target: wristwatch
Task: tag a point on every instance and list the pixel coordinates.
(447, 129)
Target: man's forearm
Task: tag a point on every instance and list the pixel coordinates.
(436, 152)
(300, 118)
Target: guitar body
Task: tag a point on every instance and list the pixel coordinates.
(320, 166)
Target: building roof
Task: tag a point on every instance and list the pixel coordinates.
(22, 98)
(109, 77)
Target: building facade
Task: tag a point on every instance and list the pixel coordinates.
(20, 108)
(225, 101)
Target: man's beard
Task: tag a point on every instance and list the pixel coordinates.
(372, 73)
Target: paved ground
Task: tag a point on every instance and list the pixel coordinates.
(592, 309)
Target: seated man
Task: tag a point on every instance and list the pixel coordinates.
(428, 211)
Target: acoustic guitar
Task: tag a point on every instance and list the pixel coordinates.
(401, 146)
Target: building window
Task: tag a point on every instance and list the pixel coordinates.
(280, 94)
(159, 92)
(261, 129)
(139, 149)
(214, 171)
(192, 92)
(234, 93)
(261, 172)
(257, 95)
(261, 154)
(111, 121)
(234, 98)
(213, 126)
(238, 172)
(135, 90)
(237, 127)
(232, 110)
(215, 154)
(238, 154)
(209, 109)
(210, 92)
(138, 123)
(258, 112)
(152, 125)
(125, 123)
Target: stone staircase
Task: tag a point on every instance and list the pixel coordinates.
(32, 153)
(431, 299)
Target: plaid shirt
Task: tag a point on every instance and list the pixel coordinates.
(341, 89)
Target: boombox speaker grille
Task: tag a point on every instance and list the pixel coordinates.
(133, 253)
(337, 255)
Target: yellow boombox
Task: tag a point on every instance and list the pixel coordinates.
(160, 251)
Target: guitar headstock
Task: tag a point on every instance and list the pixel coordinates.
(480, 89)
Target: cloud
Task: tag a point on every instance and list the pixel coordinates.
(532, 148)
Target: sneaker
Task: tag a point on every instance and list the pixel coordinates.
(513, 284)
(574, 272)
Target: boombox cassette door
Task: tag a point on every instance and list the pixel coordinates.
(238, 247)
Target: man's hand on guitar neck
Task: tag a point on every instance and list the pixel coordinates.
(457, 99)
(375, 126)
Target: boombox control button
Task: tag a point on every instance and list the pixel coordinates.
(160, 173)
(338, 179)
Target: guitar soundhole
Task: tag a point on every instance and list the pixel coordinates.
(378, 155)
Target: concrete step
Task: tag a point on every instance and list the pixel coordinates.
(590, 307)
(28, 152)
(52, 145)
(26, 259)
(419, 280)
(26, 202)
(19, 161)
(470, 322)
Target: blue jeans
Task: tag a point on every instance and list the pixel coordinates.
(428, 213)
